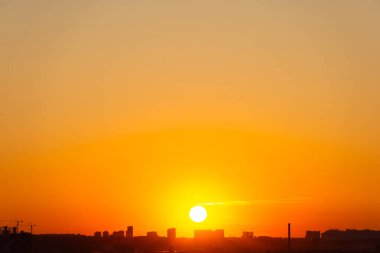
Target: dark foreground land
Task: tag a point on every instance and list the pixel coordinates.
(26, 243)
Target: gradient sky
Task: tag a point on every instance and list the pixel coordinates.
(116, 113)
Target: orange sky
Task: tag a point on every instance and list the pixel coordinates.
(121, 113)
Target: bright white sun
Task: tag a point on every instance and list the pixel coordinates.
(198, 213)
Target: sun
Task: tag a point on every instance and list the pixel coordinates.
(198, 213)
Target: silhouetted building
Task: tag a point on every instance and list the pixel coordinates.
(98, 234)
(129, 233)
(313, 235)
(106, 234)
(247, 235)
(118, 234)
(209, 234)
(171, 234)
(152, 234)
(13, 230)
(351, 234)
(5, 231)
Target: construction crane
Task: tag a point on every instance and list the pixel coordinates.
(18, 224)
(31, 225)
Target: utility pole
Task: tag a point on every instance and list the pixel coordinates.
(31, 227)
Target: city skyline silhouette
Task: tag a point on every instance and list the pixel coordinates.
(14, 241)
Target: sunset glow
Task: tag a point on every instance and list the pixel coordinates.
(117, 113)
